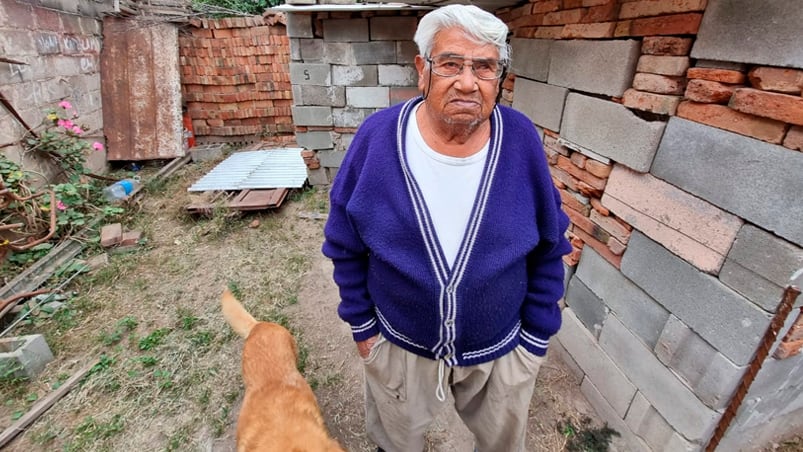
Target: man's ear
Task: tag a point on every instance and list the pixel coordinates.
(499, 87)
(420, 65)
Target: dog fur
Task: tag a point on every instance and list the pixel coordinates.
(280, 412)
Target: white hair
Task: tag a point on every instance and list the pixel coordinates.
(480, 25)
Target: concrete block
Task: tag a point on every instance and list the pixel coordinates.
(645, 422)
(406, 52)
(530, 58)
(601, 67)
(312, 116)
(368, 96)
(640, 313)
(24, 356)
(632, 443)
(759, 266)
(345, 30)
(586, 306)
(542, 103)
(355, 75)
(331, 159)
(311, 50)
(708, 373)
(315, 140)
(393, 28)
(674, 401)
(776, 374)
(693, 229)
(751, 32)
(325, 96)
(397, 75)
(722, 317)
(568, 272)
(350, 116)
(318, 177)
(295, 49)
(299, 26)
(598, 367)
(755, 180)
(760, 436)
(610, 129)
(206, 152)
(377, 52)
(338, 53)
(343, 141)
(311, 74)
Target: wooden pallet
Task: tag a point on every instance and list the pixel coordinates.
(245, 200)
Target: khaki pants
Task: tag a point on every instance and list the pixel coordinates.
(491, 398)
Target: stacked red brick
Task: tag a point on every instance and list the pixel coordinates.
(581, 182)
(235, 79)
(765, 103)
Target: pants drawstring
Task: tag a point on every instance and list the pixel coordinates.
(440, 394)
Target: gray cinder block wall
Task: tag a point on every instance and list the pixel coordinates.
(53, 54)
(345, 66)
(678, 160)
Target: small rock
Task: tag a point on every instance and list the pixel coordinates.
(254, 224)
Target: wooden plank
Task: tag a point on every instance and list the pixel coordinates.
(42, 406)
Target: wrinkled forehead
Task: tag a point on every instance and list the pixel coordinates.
(459, 41)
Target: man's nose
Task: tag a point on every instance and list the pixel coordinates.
(467, 78)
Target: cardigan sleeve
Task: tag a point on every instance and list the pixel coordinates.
(349, 255)
(540, 314)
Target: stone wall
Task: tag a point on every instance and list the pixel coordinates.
(345, 66)
(52, 54)
(673, 128)
(235, 79)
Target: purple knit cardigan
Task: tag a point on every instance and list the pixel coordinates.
(504, 286)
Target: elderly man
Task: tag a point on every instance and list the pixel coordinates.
(446, 236)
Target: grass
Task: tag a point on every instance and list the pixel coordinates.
(167, 373)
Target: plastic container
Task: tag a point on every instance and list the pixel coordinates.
(120, 190)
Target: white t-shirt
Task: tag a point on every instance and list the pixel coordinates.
(449, 185)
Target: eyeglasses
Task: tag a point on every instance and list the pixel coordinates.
(452, 65)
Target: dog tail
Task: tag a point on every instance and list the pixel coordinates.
(236, 315)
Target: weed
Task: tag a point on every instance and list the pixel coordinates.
(148, 361)
(202, 338)
(234, 287)
(10, 373)
(129, 323)
(178, 439)
(103, 364)
(585, 437)
(164, 379)
(44, 437)
(187, 320)
(154, 339)
(91, 431)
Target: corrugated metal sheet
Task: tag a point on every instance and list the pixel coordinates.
(273, 168)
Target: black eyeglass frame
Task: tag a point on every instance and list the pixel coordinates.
(501, 68)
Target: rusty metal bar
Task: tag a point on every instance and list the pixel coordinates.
(787, 301)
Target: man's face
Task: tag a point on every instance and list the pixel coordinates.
(464, 99)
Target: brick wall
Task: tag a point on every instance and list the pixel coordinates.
(55, 55)
(235, 79)
(345, 66)
(673, 131)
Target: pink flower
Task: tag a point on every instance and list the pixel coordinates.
(60, 205)
(65, 105)
(97, 146)
(66, 123)
(77, 130)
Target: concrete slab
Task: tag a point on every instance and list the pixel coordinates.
(600, 67)
(541, 102)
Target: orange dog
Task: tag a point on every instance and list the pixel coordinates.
(280, 412)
